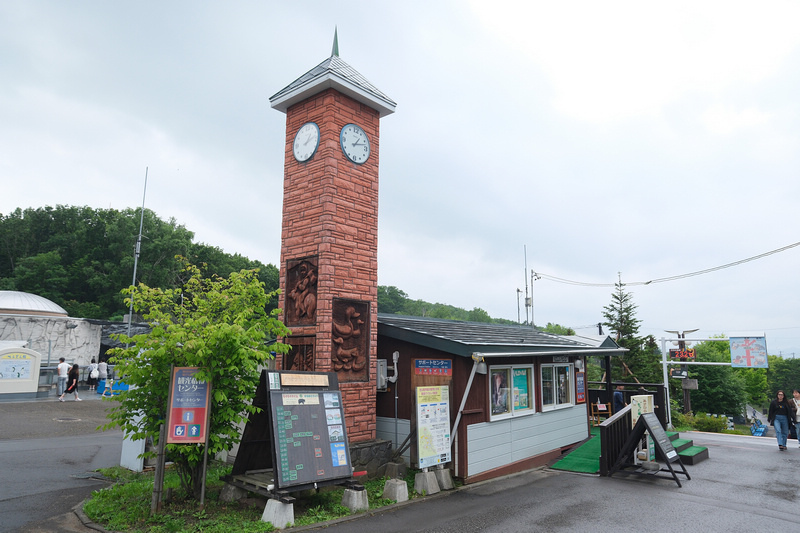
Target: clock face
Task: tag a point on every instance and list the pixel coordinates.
(306, 142)
(355, 143)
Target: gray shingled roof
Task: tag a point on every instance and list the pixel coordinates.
(464, 338)
(333, 73)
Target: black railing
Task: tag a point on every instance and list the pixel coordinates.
(633, 389)
(614, 433)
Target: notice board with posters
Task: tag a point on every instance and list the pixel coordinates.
(309, 431)
(433, 425)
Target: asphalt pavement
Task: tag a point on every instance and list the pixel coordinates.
(50, 452)
(746, 485)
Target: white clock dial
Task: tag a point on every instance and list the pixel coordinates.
(355, 143)
(306, 142)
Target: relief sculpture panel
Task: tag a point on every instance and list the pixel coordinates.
(301, 291)
(301, 353)
(350, 338)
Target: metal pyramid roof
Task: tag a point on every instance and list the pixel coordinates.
(333, 73)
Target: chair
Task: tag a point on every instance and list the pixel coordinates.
(599, 412)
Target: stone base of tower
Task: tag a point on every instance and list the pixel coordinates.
(371, 457)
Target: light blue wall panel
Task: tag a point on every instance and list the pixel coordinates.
(496, 444)
(384, 429)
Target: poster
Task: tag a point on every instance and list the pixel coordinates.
(499, 391)
(433, 425)
(521, 385)
(580, 387)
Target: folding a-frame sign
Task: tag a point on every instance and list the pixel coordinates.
(664, 450)
(298, 437)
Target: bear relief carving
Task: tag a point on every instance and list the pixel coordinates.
(348, 335)
(301, 300)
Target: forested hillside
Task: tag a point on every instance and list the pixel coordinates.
(80, 257)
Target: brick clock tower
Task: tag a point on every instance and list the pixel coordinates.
(329, 236)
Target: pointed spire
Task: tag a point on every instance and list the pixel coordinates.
(335, 50)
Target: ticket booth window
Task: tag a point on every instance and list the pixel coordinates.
(556, 386)
(511, 391)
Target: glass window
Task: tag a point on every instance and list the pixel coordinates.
(510, 391)
(556, 386)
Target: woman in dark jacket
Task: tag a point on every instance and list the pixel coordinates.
(72, 383)
(780, 416)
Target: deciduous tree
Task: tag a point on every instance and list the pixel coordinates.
(217, 324)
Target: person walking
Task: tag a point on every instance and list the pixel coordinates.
(72, 383)
(795, 402)
(63, 371)
(780, 416)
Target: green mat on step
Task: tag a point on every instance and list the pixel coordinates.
(584, 458)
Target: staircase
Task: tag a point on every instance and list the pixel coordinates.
(688, 452)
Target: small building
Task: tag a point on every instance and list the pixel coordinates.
(517, 395)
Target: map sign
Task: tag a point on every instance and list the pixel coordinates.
(188, 407)
(310, 437)
(433, 425)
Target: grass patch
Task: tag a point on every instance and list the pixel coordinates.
(125, 506)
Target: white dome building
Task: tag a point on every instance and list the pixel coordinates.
(23, 303)
(36, 323)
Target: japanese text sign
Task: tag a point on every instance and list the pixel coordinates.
(188, 407)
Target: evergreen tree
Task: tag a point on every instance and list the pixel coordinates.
(643, 357)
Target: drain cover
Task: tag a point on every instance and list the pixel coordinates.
(67, 419)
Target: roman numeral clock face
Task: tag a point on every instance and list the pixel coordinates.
(355, 143)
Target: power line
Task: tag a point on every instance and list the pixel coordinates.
(669, 278)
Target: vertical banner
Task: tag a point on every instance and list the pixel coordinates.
(749, 352)
(187, 412)
(433, 425)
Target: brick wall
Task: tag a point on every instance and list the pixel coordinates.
(330, 210)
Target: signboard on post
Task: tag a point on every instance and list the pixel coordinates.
(749, 352)
(682, 354)
(433, 425)
(188, 408)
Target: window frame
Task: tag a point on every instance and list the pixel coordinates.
(570, 381)
(512, 392)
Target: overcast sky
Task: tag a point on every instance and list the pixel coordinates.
(605, 138)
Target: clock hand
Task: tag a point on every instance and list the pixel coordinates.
(308, 140)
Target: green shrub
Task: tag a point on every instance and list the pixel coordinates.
(703, 422)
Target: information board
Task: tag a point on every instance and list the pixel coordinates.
(310, 437)
(188, 407)
(16, 366)
(433, 425)
(660, 436)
